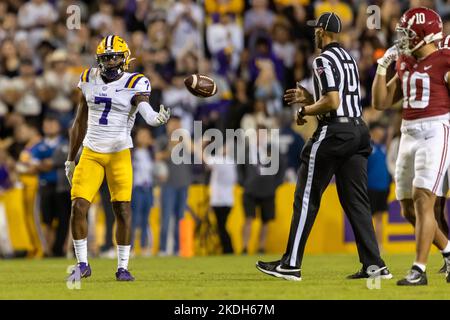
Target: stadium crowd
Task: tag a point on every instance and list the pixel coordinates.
(254, 50)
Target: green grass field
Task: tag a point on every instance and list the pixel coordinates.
(227, 277)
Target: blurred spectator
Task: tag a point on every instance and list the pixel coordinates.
(259, 189)
(182, 103)
(258, 117)
(30, 137)
(222, 182)
(188, 63)
(212, 112)
(263, 50)
(136, 15)
(62, 197)
(9, 59)
(240, 105)
(158, 33)
(7, 170)
(142, 200)
(283, 47)
(267, 86)
(174, 189)
(443, 8)
(185, 18)
(291, 144)
(57, 86)
(7, 181)
(10, 130)
(159, 61)
(379, 179)
(41, 159)
(8, 25)
(102, 20)
(301, 70)
(35, 16)
(163, 5)
(243, 71)
(23, 93)
(258, 18)
(225, 41)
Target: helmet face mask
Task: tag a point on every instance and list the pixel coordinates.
(111, 65)
(404, 40)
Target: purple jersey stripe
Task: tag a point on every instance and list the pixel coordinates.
(137, 80)
(87, 75)
(129, 79)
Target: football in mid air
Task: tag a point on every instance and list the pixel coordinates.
(200, 85)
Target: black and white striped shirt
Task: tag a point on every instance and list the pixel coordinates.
(335, 70)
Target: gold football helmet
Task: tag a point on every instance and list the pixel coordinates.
(113, 56)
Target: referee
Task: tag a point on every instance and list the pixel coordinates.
(340, 146)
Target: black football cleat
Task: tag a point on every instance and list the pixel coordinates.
(383, 273)
(415, 277)
(276, 269)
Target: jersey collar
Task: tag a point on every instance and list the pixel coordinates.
(331, 45)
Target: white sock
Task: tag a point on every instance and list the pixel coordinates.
(123, 255)
(81, 250)
(421, 266)
(446, 249)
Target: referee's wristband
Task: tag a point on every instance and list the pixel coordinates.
(381, 70)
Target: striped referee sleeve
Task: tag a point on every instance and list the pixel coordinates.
(328, 78)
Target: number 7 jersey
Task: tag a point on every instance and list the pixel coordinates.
(424, 85)
(111, 115)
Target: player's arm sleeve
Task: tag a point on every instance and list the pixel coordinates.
(327, 75)
(147, 112)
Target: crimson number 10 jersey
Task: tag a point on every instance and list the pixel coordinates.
(424, 84)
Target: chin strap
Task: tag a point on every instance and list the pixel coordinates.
(111, 74)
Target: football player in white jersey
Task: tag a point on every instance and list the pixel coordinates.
(107, 109)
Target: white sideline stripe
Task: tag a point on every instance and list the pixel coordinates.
(306, 195)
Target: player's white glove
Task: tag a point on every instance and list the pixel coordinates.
(163, 115)
(385, 61)
(70, 168)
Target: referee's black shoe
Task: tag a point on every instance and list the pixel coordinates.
(383, 273)
(276, 269)
(415, 277)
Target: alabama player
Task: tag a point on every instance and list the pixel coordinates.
(107, 109)
(422, 80)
